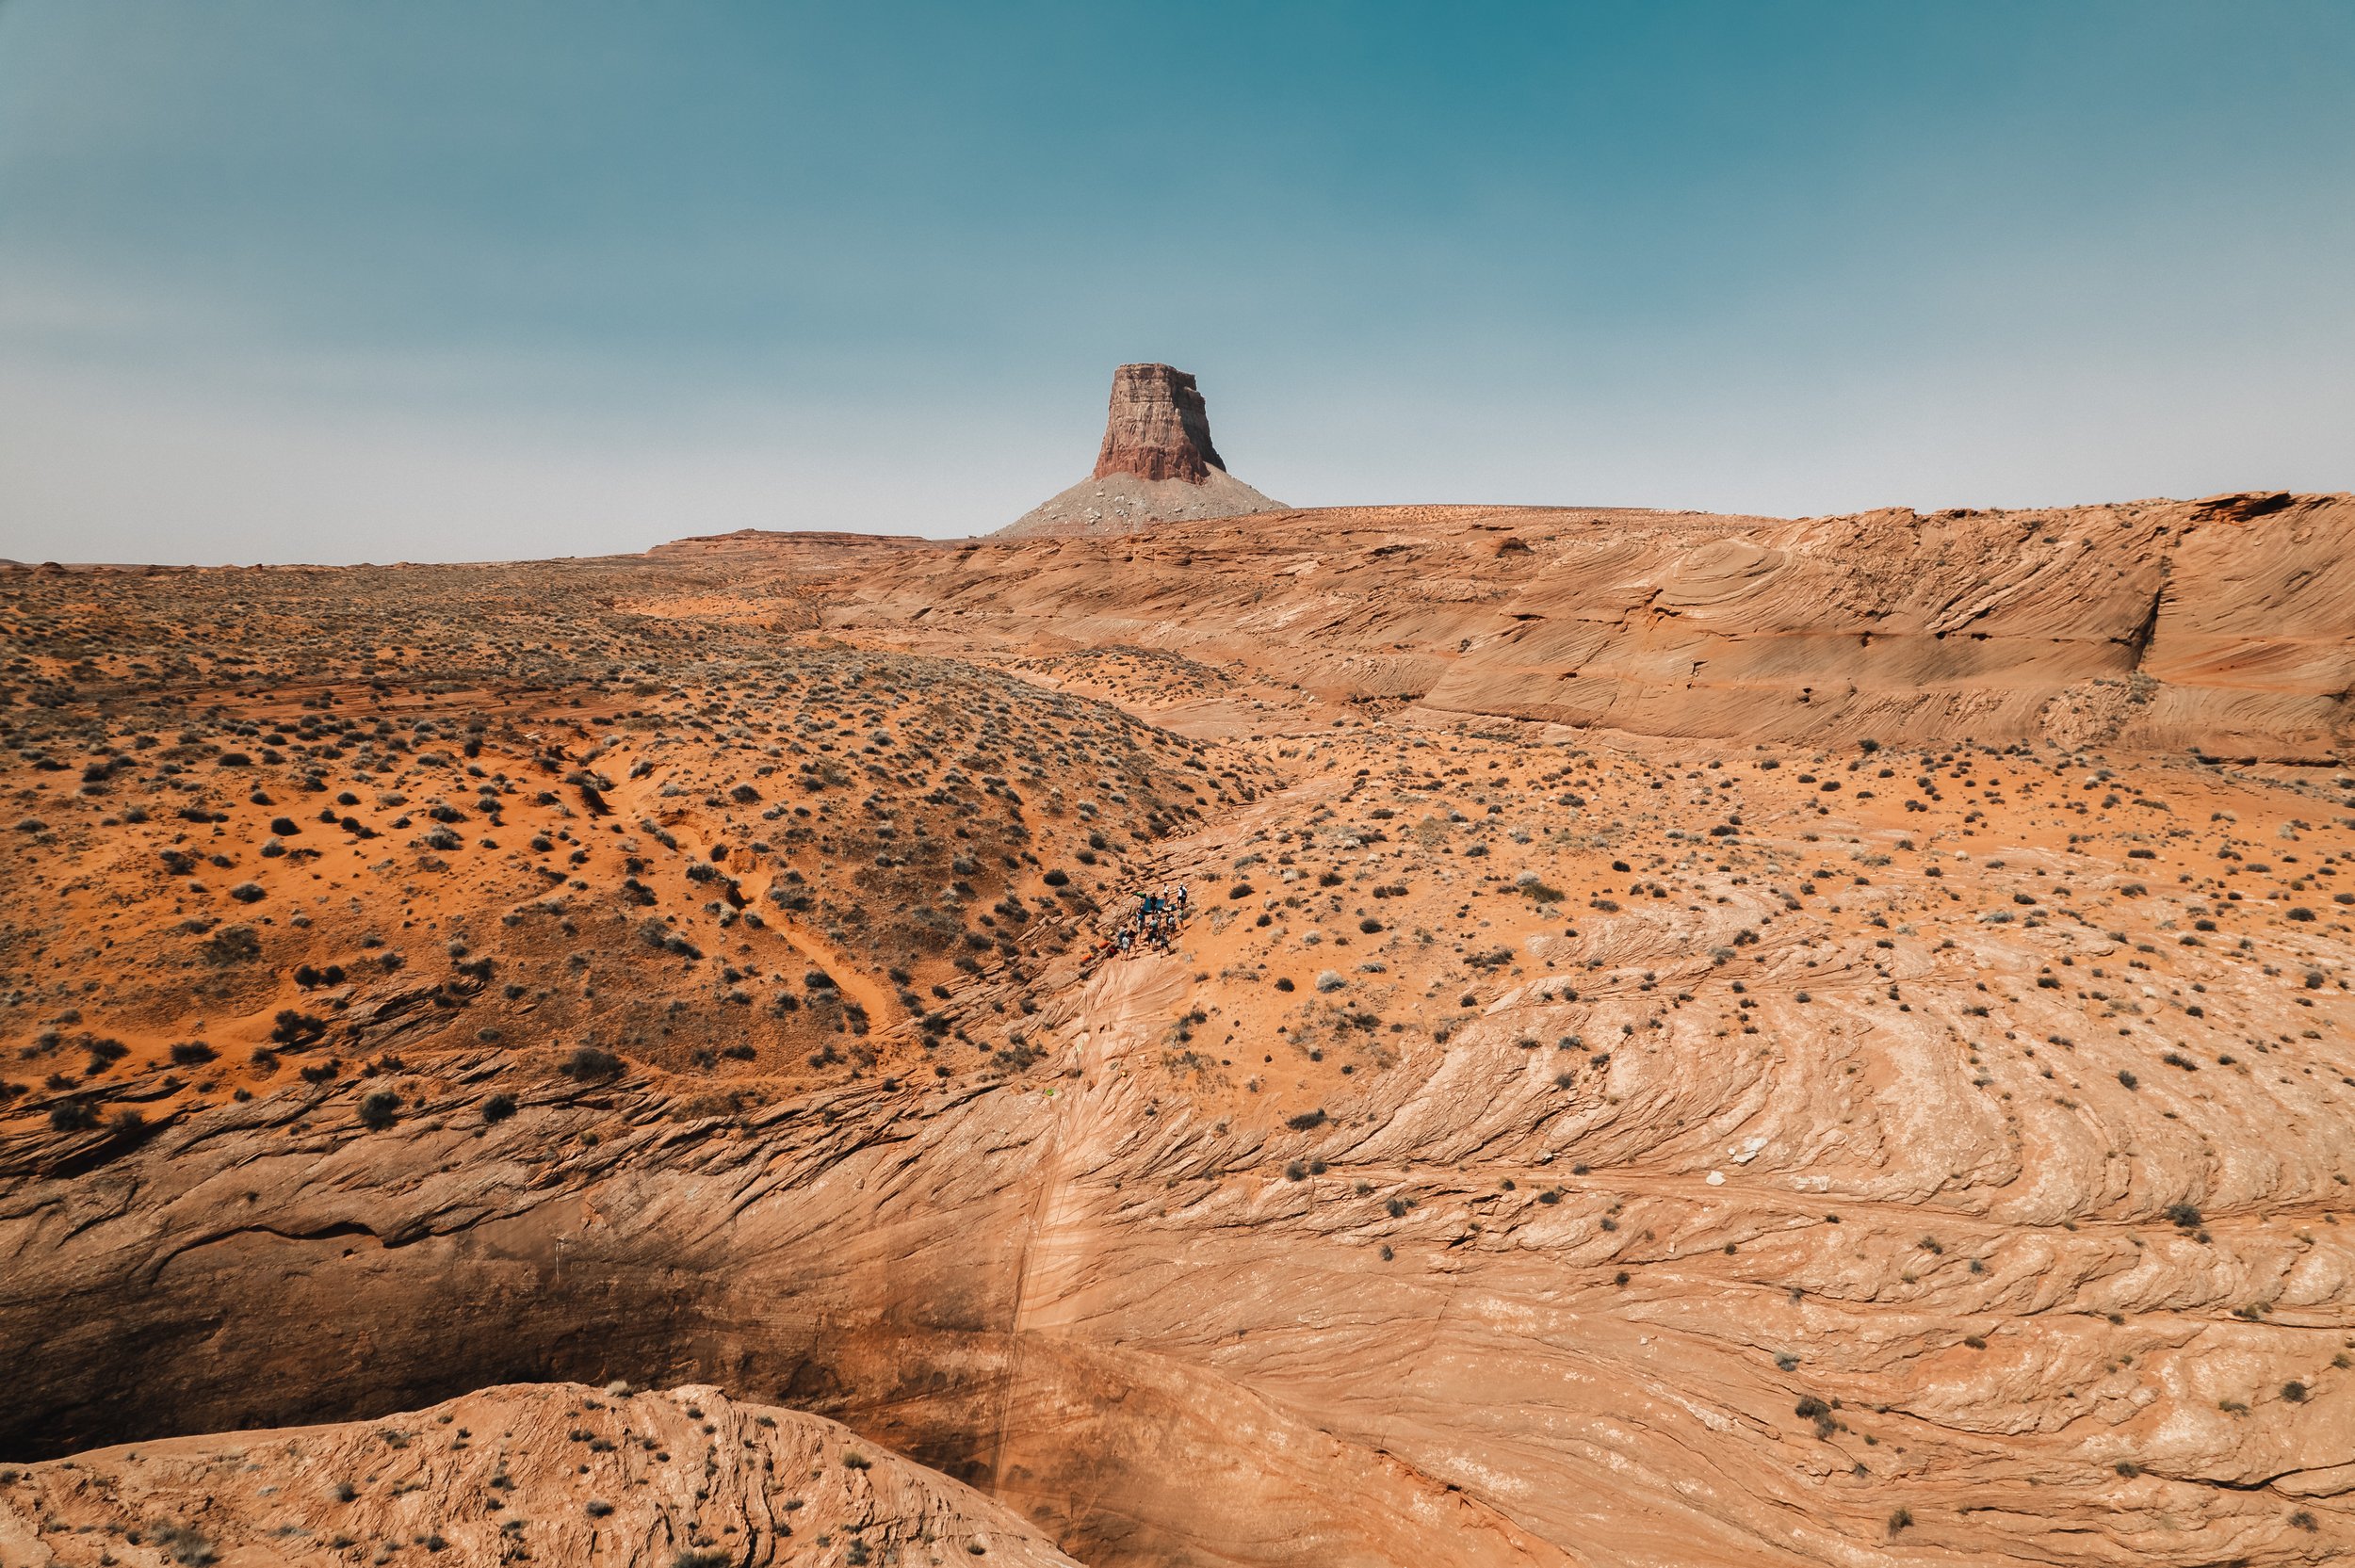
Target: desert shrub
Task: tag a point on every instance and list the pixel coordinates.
(1306, 1120)
(181, 1542)
(296, 1028)
(230, 945)
(590, 1065)
(498, 1108)
(191, 1053)
(72, 1115)
(380, 1110)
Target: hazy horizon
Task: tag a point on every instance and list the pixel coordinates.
(444, 281)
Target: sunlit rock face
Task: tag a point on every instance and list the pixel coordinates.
(1157, 427)
(1157, 465)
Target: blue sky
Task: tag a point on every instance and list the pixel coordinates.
(427, 280)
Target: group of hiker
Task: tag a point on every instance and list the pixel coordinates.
(1153, 923)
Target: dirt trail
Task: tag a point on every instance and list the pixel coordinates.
(881, 1010)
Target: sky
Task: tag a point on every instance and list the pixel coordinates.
(450, 279)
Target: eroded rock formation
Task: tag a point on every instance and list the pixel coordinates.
(2225, 626)
(1157, 427)
(557, 1475)
(1157, 464)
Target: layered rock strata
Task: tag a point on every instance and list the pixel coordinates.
(1157, 464)
(2224, 627)
(1157, 427)
(554, 1474)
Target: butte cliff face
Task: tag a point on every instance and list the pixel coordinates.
(1158, 428)
(1157, 465)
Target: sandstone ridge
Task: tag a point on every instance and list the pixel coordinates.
(2225, 625)
(683, 1474)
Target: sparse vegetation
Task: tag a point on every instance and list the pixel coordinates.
(771, 905)
(589, 1064)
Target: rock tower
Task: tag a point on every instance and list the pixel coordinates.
(1157, 464)
(1157, 427)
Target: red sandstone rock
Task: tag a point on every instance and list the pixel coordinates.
(1157, 427)
(1157, 465)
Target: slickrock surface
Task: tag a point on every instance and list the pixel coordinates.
(2163, 625)
(1157, 465)
(1789, 1133)
(552, 1473)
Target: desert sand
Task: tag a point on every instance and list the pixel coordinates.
(1696, 1039)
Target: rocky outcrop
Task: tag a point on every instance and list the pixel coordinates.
(1157, 427)
(1157, 465)
(558, 1475)
(2225, 625)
